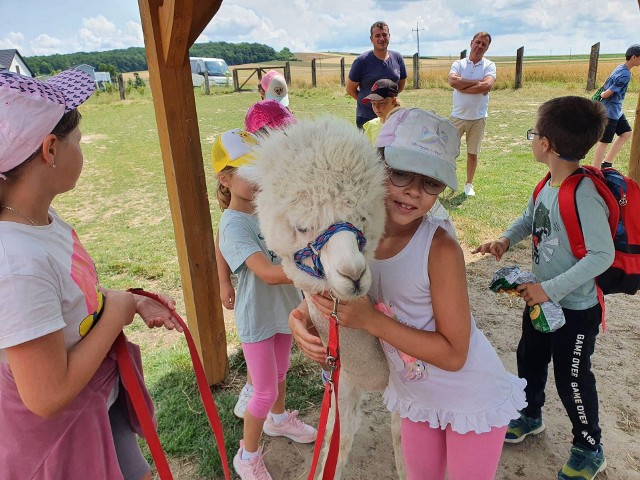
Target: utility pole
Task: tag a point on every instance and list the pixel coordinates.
(417, 30)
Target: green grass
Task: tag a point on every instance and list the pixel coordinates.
(121, 211)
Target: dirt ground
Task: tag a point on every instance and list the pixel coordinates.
(615, 364)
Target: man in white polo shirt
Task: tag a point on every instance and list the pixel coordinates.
(472, 79)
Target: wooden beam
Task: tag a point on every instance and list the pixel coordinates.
(202, 18)
(166, 25)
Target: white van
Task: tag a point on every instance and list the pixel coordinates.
(217, 69)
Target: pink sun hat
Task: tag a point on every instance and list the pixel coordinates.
(267, 113)
(30, 109)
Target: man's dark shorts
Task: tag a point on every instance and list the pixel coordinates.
(617, 127)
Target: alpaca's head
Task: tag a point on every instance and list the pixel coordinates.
(314, 174)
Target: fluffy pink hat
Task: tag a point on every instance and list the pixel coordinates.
(267, 113)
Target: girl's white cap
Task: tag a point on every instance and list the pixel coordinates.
(420, 141)
(30, 109)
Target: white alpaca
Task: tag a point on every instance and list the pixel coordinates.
(315, 174)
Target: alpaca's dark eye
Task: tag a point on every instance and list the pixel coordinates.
(363, 219)
(302, 229)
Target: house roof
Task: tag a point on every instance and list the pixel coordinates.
(6, 58)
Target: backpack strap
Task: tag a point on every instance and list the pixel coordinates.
(540, 186)
(569, 208)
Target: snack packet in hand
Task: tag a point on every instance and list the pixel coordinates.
(546, 317)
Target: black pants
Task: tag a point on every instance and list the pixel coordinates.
(571, 348)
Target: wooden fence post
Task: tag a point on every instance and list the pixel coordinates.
(463, 54)
(519, 57)
(236, 81)
(207, 87)
(342, 79)
(121, 86)
(313, 72)
(634, 159)
(593, 66)
(416, 72)
(287, 72)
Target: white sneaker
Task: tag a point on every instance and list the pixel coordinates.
(243, 400)
(291, 428)
(469, 191)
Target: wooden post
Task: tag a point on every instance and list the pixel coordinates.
(287, 72)
(121, 86)
(236, 81)
(634, 159)
(170, 27)
(313, 72)
(207, 87)
(463, 54)
(593, 66)
(416, 72)
(342, 77)
(519, 57)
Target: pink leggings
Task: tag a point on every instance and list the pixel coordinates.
(268, 363)
(429, 452)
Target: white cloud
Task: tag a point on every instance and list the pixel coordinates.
(99, 33)
(12, 40)
(43, 44)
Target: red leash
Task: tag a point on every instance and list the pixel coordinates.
(333, 362)
(130, 382)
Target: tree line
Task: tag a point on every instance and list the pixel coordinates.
(133, 59)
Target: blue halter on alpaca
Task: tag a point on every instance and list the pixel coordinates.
(313, 249)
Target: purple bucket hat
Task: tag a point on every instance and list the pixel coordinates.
(30, 109)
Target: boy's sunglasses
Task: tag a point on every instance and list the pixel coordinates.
(429, 185)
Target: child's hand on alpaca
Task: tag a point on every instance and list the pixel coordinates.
(306, 336)
(156, 314)
(353, 314)
(533, 293)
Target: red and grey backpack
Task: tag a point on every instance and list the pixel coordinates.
(621, 194)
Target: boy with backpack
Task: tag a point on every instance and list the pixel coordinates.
(566, 129)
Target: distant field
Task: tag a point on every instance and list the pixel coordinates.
(434, 70)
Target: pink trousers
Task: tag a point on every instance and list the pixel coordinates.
(268, 363)
(430, 452)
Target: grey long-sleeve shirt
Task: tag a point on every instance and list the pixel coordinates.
(565, 279)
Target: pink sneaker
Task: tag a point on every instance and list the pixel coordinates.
(291, 428)
(250, 469)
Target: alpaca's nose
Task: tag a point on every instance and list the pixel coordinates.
(354, 274)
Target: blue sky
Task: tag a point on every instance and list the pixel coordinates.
(445, 27)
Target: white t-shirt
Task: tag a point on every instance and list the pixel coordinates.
(471, 106)
(48, 282)
(476, 398)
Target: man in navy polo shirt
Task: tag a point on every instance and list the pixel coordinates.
(372, 66)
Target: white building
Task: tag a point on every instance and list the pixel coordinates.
(11, 60)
